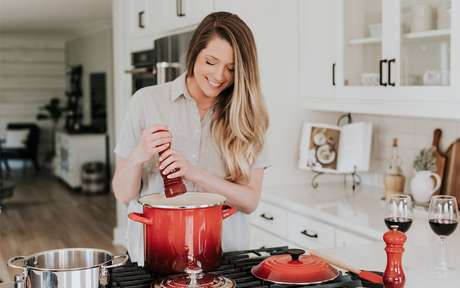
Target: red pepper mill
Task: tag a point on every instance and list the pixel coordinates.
(394, 275)
(174, 186)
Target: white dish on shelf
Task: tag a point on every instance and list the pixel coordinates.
(370, 79)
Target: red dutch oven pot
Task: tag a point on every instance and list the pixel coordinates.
(181, 230)
(294, 268)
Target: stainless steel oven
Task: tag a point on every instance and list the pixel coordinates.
(163, 63)
(144, 71)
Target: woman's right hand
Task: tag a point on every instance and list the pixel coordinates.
(153, 140)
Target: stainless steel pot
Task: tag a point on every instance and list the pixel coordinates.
(66, 268)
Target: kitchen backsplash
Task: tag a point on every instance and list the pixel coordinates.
(413, 134)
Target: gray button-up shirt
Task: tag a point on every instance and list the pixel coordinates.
(172, 105)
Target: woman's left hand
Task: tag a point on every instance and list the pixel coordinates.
(171, 160)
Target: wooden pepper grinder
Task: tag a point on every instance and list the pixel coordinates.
(394, 275)
(173, 186)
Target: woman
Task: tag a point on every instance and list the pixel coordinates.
(216, 121)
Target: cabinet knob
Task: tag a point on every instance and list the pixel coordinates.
(269, 218)
(305, 232)
(140, 19)
(180, 8)
(381, 72)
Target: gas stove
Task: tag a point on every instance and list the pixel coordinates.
(236, 266)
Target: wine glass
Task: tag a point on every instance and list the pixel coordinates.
(398, 212)
(443, 219)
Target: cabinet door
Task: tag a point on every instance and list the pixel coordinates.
(138, 17)
(361, 48)
(261, 238)
(318, 47)
(425, 46)
(184, 13)
(344, 238)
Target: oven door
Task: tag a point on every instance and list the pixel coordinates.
(142, 77)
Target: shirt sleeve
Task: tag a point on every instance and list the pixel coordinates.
(262, 160)
(132, 126)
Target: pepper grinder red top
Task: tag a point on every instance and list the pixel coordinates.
(173, 186)
(394, 275)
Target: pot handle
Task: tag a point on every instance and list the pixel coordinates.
(12, 260)
(105, 275)
(138, 217)
(228, 211)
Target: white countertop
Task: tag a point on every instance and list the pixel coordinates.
(362, 212)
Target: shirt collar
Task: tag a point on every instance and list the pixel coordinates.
(179, 88)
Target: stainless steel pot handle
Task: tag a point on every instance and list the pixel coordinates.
(12, 260)
(105, 276)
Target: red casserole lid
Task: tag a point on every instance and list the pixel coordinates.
(295, 268)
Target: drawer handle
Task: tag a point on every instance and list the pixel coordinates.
(269, 218)
(305, 232)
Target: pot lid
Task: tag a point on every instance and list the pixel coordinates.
(187, 200)
(194, 278)
(295, 268)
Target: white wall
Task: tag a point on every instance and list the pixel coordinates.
(32, 71)
(94, 52)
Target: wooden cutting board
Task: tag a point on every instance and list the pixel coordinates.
(441, 158)
(451, 183)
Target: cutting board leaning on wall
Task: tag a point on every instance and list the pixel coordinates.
(441, 158)
(451, 181)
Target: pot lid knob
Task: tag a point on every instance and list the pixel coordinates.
(295, 253)
(194, 272)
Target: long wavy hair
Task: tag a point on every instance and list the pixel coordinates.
(240, 115)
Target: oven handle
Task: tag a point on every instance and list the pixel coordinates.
(161, 70)
(143, 70)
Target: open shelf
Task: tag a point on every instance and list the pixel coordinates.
(432, 34)
(364, 41)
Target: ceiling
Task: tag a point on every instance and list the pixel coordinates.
(65, 17)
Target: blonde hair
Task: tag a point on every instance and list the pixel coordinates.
(240, 115)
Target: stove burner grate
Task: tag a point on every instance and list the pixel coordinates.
(235, 265)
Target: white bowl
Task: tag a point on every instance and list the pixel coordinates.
(370, 79)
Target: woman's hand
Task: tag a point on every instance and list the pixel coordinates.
(153, 141)
(171, 160)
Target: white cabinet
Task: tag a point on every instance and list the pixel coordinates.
(139, 20)
(150, 19)
(73, 150)
(184, 13)
(272, 225)
(344, 238)
(270, 218)
(261, 238)
(390, 59)
(311, 233)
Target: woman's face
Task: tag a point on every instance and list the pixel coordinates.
(213, 70)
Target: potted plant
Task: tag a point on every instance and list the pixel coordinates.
(422, 185)
(52, 111)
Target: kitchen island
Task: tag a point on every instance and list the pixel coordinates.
(360, 213)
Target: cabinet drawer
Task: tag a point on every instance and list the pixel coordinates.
(344, 238)
(261, 238)
(270, 218)
(307, 232)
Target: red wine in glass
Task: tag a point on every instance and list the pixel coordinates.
(443, 219)
(402, 223)
(443, 227)
(398, 212)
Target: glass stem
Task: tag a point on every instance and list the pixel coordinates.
(443, 260)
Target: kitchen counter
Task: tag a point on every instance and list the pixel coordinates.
(418, 262)
(362, 212)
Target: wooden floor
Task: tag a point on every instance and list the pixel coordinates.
(44, 214)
